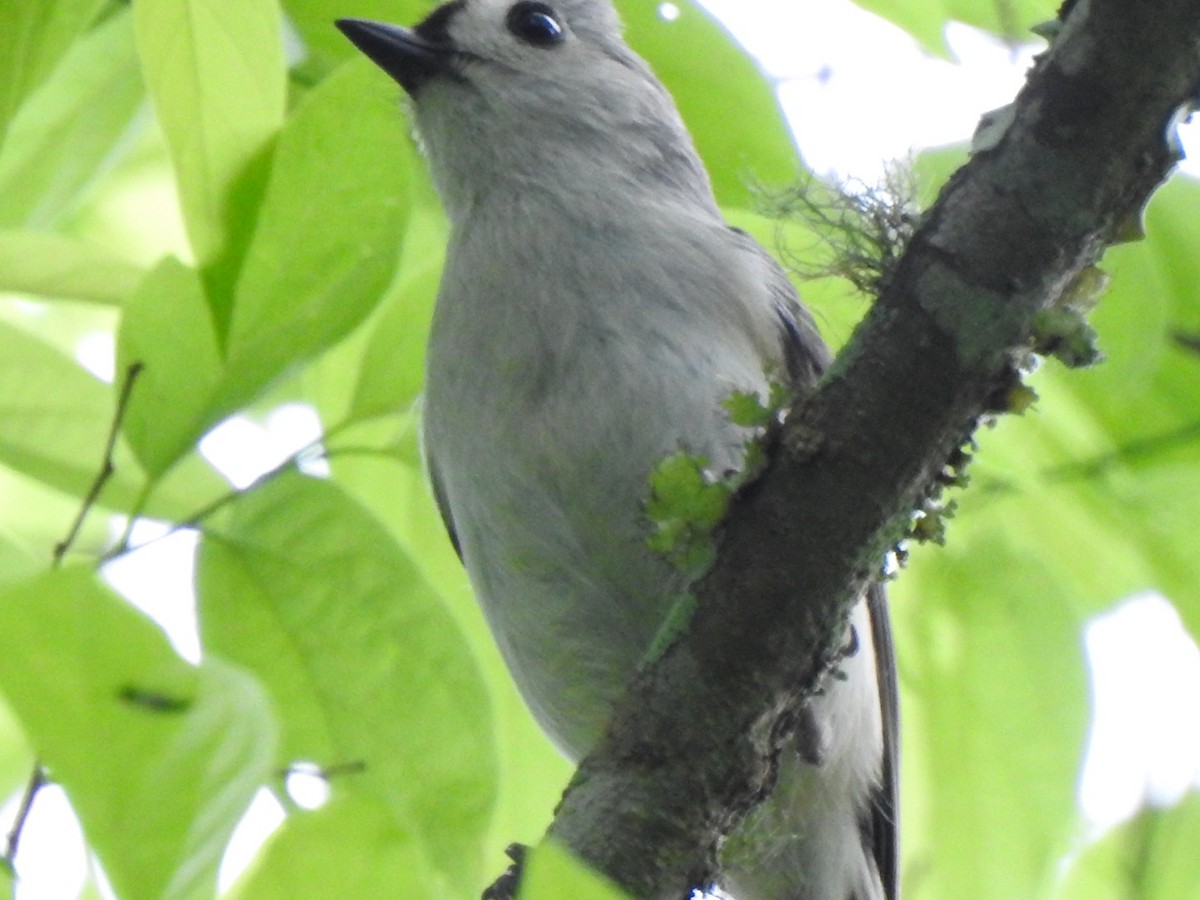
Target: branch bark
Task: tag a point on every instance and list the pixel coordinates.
(1086, 144)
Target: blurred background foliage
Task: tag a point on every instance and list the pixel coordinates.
(239, 208)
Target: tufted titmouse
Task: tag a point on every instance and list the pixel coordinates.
(594, 313)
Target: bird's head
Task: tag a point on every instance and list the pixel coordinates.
(535, 95)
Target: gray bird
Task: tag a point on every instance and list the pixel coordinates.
(594, 313)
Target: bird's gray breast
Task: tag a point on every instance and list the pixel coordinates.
(564, 365)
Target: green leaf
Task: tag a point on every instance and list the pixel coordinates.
(215, 70)
(352, 848)
(54, 421)
(51, 265)
(364, 664)
(16, 756)
(314, 20)
(995, 706)
(34, 34)
(159, 759)
(54, 416)
(329, 233)
(533, 772)
(1150, 858)
(67, 131)
(1145, 478)
(167, 329)
(925, 21)
(551, 872)
(33, 519)
(373, 378)
(392, 371)
(17, 557)
(728, 104)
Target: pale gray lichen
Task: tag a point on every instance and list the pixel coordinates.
(861, 229)
(992, 127)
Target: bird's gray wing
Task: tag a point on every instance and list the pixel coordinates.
(805, 354)
(885, 801)
(439, 496)
(807, 357)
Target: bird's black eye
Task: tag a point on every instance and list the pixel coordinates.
(536, 23)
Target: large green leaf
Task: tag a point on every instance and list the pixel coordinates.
(51, 265)
(728, 104)
(33, 519)
(34, 34)
(1151, 857)
(533, 773)
(551, 872)
(71, 126)
(377, 372)
(329, 232)
(216, 73)
(167, 329)
(392, 370)
(54, 417)
(352, 848)
(16, 756)
(995, 709)
(307, 590)
(314, 20)
(160, 759)
(925, 21)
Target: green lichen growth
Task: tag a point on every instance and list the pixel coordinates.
(1049, 30)
(687, 501)
(1084, 289)
(675, 624)
(1019, 398)
(747, 409)
(1130, 228)
(954, 473)
(1063, 332)
(685, 506)
(929, 526)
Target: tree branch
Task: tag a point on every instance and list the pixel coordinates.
(689, 748)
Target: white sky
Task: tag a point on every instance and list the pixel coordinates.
(857, 91)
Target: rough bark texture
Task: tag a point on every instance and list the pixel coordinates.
(688, 749)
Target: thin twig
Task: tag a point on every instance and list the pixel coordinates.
(315, 449)
(106, 467)
(36, 782)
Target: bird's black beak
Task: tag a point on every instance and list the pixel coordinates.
(405, 55)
